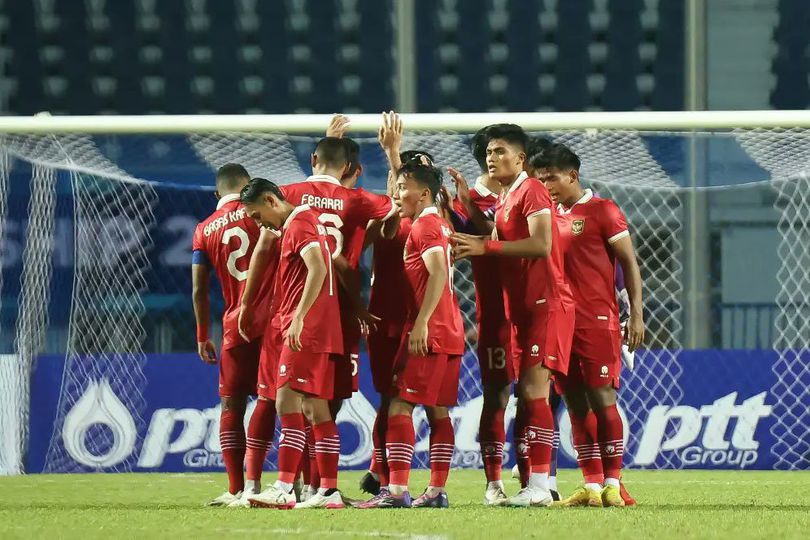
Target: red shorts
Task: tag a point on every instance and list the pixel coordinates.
(595, 360)
(307, 372)
(268, 363)
(347, 379)
(494, 354)
(544, 337)
(383, 346)
(430, 380)
(238, 369)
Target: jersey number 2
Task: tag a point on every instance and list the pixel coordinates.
(241, 251)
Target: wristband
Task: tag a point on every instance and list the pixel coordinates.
(202, 334)
(493, 247)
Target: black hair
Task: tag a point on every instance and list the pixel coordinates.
(425, 175)
(556, 156)
(511, 133)
(332, 152)
(257, 187)
(536, 146)
(414, 155)
(352, 154)
(231, 176)
(478, 146)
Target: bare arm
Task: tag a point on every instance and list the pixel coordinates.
(477, 217)
(536, 246)
(259, 261)
(623, 249)
(436, 264)
(316, 274)
(200, 278)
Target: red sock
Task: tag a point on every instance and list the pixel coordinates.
(290, 446)
(540, 433)
(521, 445)
(232, 442)
(304, 468)
(491, 436)
(399, 442)
(327, 452)
(583, 431)
(609, 431)
(310, 459)
(442, 446)
(378, 436)
(261, 429)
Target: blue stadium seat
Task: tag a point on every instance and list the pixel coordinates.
(25, 65)
(790, 66)
(670, 64)
(573, 66)
(623, 63)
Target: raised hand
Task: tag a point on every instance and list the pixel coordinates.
(337, 127)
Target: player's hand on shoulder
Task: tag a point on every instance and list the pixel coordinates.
(467, 245)
(207, 351)
(337, 127)
(418, 339)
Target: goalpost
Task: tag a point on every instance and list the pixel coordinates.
(86, 204)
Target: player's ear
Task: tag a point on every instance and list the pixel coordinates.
(574, 175)
(313, 160)
(217, 195)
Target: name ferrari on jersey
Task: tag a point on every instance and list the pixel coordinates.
(324, 203)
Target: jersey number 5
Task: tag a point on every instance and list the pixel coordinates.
(241, 251)
(332, 223)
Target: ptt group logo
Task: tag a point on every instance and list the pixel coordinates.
(719, 435)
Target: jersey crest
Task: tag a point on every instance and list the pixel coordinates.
(577, 226)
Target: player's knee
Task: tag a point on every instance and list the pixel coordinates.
(316, 410)
(496, 397)
(233, 403)
(436, 413)
(604, 396)
(399, 406)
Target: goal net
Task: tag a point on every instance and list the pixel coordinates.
(96, 233)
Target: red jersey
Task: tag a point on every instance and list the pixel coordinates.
(388, 297)
(226, 241)
(300, 233)
(430, 233)
(590, 264)
(489, 312)
(528, 283)
(343, 211)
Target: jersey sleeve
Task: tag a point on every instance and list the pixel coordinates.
(374, 206)
(536, 199)
(198, 254)
(428, 238)
(614, 223)
(303, 236)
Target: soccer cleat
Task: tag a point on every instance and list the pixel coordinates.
(582, 496)
(306, 493)
(243, 501)
(332, 501)
(387, 500)
(439, 500)
(369, 485)
(626, 497)
(225, 499)
(530, 496)
(495, 497)
(372, 502)
(273, 497)
(612, 497)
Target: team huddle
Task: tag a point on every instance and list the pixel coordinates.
(544, 254)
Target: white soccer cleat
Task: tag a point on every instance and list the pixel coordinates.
(225, 499)
(515, 472)
(318, 500)
(243, 501)
(495, 497)
(272, 497)
(530, 496)
(307, 493)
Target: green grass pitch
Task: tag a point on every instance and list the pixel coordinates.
(672, 504)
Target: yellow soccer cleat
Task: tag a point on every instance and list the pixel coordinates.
(612, 496)
(581, 497)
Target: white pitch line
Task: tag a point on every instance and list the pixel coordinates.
(366, 534)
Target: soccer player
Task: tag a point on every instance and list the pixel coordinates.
(494, 360)
(539, 304)
(599, 238)
(427, 366)
(225, 242)
(308, 315)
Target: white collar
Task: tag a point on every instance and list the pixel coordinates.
(324, 178)
(519, 180)
(586, 196)
(297, 210)
(227, 199)
(427, 211)
(483, 190)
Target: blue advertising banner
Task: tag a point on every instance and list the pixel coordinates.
(722, 418)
